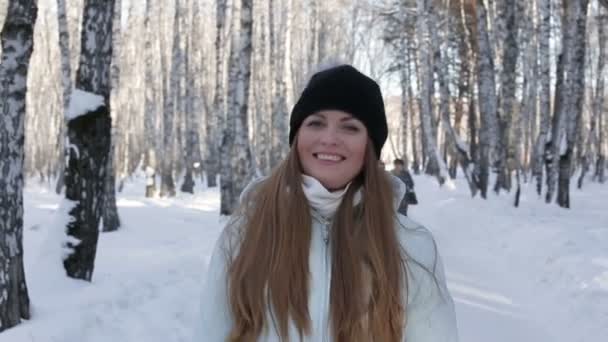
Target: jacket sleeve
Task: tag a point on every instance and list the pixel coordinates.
(430, 310)
(214, 321)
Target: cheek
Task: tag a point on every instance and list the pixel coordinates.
(358, 147)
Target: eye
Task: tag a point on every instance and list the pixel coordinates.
(351, 128)
(314, 123)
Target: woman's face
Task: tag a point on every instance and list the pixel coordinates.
(331, 146)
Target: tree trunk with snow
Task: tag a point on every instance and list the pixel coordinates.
(111, 220)
(405, 113)
(572, 93)
(488, 131)
(544, 18)
(150, 163)
(435, 164)
(597, 102)
(17, 38)
(600, 100)
(235, 143)
(279, 58)
(215, 123)
(66, 82)
(413, 126)
(167, 184)
(89, 137)
(191, 123)
(507, 99)
(441, 60)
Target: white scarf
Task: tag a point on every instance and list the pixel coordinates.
(322, 200)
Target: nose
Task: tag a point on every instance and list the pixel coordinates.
(329, 136)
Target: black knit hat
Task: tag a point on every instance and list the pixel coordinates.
(343, 88)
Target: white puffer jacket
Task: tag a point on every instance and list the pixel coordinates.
(430, 310)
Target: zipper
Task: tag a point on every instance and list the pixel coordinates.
(326, 224)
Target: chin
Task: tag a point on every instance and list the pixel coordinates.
(332, 185)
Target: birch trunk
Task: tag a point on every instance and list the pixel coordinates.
(150, 114)
(90, 135)
(488, 131)
(435, 164)
(111, 220)
(507, 99)
(236, 137)
(215, 123)
(574, 90)
(17, 38)
(66, 82)
(544, 11)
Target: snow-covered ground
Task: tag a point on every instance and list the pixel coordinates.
(537, 273)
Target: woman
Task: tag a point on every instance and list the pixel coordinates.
(316, 251)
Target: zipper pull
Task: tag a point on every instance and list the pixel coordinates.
(326, 232)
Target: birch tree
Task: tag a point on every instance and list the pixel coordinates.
(89, 133)
(600, 103)
(544, 17)
(488, 131)
(150, 162)
(572, 94)
(17, 39)
(66, 81)
(435, 164)
(507, 98)
(171, 96)
(215, 123)
(235, 142)
(111, 220)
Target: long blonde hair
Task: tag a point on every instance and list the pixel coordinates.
(270, 270)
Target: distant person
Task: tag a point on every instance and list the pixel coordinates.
(316, 251)
(409, 198)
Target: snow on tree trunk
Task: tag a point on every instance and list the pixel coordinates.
(235, 143)
(262, 93)
(504, 148)
(544, 10)
(597, 101)
(488, 131)
(600, 98)
(435, 164)
(89, 136)
(215, 123)
(111, 220)
(66, 82)
(17, 38)
(405, 113)
(280, 46)
(171, 111)
(573, 94)
(191, 123)
(149, 105)
(528, 113)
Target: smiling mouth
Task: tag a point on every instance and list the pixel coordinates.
(328, 157)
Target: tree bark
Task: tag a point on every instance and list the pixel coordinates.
(89, 134)
(236, 139)
(17, 38)
(150, 114)
(487, 100)
(111, 220)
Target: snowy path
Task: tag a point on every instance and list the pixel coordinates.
(536, 273)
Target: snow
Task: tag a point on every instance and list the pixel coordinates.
(535, 273)
(82, 102)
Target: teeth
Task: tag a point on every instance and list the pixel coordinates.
(331, 157)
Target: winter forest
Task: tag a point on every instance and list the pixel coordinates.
(138, 117)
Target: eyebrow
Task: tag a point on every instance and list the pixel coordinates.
(345, 118)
